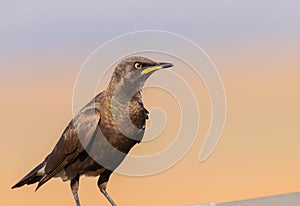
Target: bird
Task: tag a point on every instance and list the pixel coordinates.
(101, 134)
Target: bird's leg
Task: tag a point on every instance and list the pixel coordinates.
(74, 188)
(102, 182)
(108, 197)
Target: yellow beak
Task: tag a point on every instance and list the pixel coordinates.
(156, 67)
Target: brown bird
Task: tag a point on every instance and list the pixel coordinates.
(98, 138)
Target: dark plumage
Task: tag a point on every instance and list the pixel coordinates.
(115, 117)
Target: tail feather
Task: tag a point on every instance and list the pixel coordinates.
(32, 177)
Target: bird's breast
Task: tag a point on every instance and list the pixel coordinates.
(124, 127)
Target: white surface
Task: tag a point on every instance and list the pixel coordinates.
(292, 199)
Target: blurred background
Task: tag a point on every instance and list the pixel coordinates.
(255, 47)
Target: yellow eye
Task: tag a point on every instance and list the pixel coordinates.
(138, 65)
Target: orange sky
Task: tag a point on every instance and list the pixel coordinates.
(258, 154)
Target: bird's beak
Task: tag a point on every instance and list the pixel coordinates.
(156, 67)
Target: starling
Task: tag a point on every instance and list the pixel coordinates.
(100, 136)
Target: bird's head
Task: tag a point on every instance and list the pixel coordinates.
(133, 72)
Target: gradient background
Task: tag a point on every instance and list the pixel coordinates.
(255, 46)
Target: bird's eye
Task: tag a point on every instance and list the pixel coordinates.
(138, 65)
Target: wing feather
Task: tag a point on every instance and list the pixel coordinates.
(69, 146)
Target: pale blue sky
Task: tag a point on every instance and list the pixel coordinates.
(38, 26)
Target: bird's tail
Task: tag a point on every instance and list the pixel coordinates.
(32, 177)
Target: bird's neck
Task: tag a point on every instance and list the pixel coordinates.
(125, 108)
(123, 92)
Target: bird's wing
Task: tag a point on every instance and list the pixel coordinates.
(79, 132)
